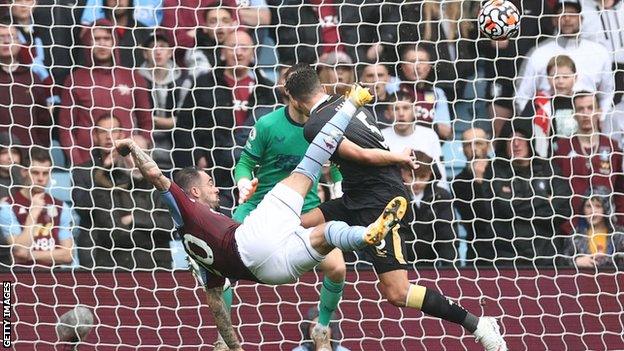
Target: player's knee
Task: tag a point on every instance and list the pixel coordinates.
(336, 273)
(394, 294)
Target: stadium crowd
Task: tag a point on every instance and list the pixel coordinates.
(520, 140)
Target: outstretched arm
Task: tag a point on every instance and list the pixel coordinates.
(375, 157)
(144, 163)
(222, 317)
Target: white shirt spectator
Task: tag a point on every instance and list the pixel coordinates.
(593, 65)
(605, 26)
(422, 139)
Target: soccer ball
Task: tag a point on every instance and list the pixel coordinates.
(499, 19)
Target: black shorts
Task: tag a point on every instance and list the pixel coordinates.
(389, 254)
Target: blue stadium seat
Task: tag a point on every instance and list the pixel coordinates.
(57, 154)
(454, 158)
(60, 185)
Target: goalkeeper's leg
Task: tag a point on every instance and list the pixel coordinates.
(396, 288)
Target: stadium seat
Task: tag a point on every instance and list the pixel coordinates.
(60, 185)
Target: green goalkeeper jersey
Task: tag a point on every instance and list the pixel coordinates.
(276, 146)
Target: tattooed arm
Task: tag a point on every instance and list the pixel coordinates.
(146, 165)
(222, 317)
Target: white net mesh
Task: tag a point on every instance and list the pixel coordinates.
(522, 221)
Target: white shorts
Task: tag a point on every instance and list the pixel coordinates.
(271, 241)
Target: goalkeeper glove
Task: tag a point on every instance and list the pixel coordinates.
(246, 188)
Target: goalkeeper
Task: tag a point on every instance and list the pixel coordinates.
(276, 145)
(270, 246)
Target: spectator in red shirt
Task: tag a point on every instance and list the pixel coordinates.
(184, 16)
(101, 86)
(217, 116)
(36, 224)
(589, 158)
(23, 109)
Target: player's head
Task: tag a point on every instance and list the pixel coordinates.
(303, 86)
(568, 18)
(36, 171)
(106, 131)
(475, 144)
(587, 112)
(199, 185)
(561, 72)
(401, 112)
(420, 178)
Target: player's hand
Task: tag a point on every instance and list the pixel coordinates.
(408, 159)
(585, 261)
(124, 146)
(246, 188)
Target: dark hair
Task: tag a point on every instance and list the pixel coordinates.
(105, 116)
(425, 163)
(38, 154)
(302, 82)
(6, 21)
(187, 177)
(401, 95)
(585, 93)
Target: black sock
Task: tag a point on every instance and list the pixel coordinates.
(436, 305)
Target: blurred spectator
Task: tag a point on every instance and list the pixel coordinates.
(552, 111)
(449, 28)
(603, 22)
(468, 188)
(430, 102)
(129, 31)
(220, 23)
(101, 87)
(144, 12)
(123, 223)
(432, 211)
(23, 110)
(407, 134)
(29, 35)
(336, 72)
(376, 77)
(590, 159)
(305, 30)
(10, 158)
(217, 116)
(368, 30)
(528, 200)
(168, 85)
(36, 224)
(502, 59)
(185, 16)
(613, 125)
(597, 242)
(593, 61)
(306, 330)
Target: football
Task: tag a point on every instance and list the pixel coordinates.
(499, 19)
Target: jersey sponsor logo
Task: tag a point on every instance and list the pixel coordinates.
(380, 249)
(252, 134)
(44, 244)
(280, 139)
(287, 162)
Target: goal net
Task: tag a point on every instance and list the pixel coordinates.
(516, 208)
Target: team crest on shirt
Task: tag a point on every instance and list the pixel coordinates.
(430, 97)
